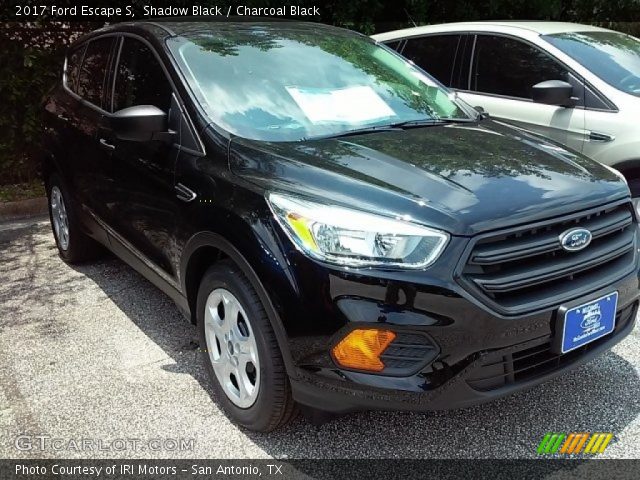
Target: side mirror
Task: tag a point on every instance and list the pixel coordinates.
(140, 124)
(482, 113)
(553, 92)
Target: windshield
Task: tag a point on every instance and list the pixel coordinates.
(612, 56)
(285, 83)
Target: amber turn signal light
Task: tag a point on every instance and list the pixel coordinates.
(361, 349)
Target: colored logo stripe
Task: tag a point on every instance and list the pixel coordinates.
(571, 439)
(573, 443)
(550, 443)
(598, 443)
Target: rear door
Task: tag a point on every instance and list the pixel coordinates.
(504, 69)
(63, 116)
(89, 162)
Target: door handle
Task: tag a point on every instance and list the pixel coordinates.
(62, 117)
(600, 137)
(185, 193)
(107, 145)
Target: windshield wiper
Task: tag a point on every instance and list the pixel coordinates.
(356, 131)
(392, 127)
(431, 122)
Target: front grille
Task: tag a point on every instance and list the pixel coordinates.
(499, 369)
(526, 269)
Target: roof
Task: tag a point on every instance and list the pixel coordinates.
(529, 26)
(157, 30)
(179, 26)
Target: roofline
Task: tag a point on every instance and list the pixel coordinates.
(515, 24)
(157, 24)
(504, 23)
(146, 27)
(161, 21)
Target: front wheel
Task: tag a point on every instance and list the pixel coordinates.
(240, 351)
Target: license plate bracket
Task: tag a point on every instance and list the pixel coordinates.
(585, 323)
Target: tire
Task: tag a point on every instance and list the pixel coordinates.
(74, 246)
(267, 402)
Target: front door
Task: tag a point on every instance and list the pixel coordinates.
(143, 211)
(503, 71)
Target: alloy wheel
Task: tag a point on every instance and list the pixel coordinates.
(59, 218)
(232, 347)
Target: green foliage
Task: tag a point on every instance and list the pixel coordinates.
(32, 57)
(21, 191)
(26, 75)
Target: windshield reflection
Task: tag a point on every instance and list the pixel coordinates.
(612, 56)
(278, 82)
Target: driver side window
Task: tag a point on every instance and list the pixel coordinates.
(504, 66)
(140, 79)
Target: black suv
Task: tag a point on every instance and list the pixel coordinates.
(345, 233)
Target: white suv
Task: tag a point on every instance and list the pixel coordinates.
(577, 84)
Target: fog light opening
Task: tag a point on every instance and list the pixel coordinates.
(361, 349)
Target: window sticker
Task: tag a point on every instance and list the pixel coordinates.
(348, 105)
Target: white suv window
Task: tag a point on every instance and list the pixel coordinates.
(504, 66)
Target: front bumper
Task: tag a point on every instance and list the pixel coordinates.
(502, 356)
(483, 316)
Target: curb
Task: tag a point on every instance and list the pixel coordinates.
(23, 209)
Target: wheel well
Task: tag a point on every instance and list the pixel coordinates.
(199, 262)
(631, 171)
(48, 166)
(204, 250)
(633, 179)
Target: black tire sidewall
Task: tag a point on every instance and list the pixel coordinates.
(259, 415)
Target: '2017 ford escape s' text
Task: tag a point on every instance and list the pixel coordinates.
(345, 233)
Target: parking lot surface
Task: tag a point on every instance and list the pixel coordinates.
(96, 352)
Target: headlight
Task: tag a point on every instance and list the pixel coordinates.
(354, 238)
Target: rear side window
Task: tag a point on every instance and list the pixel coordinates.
(92, 74)
(504, 66)
(140, 79)
(462, 63)
(73, 65)
(435, 54)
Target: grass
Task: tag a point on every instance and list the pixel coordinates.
(21, 191)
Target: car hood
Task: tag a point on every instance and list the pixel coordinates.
(463, 178)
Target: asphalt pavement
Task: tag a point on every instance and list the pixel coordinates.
(96, 353)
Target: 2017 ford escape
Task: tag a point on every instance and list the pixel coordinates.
(345, 233)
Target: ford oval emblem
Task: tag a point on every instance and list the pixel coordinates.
(591, 321)
(576, 239)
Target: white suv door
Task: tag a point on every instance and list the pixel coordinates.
(504, 69)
